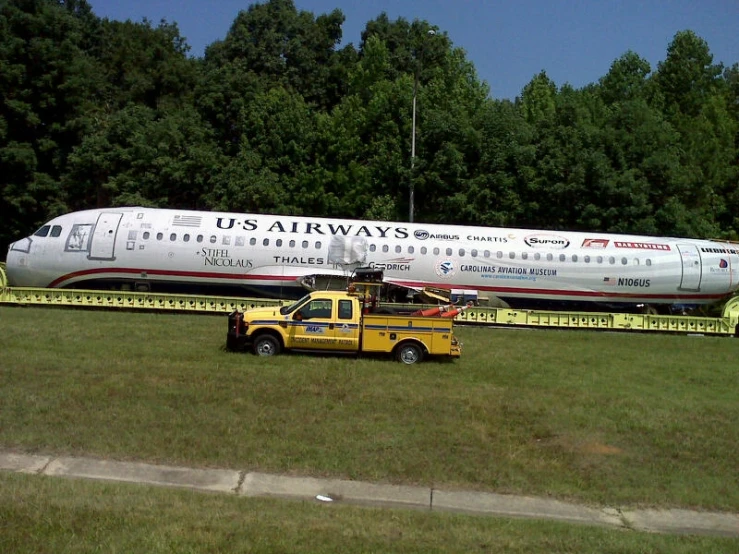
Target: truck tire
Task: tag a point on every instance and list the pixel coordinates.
(409, 353)
(266, 345)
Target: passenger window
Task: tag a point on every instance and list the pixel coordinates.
(611, 260)
(173, 237)
(424, 250)
(537, 256)
(278, 243)
(373, 248)
(56, 230)
(448, 251)
(499, 254)
(265, 242)
(473, 253)
(624, 261)
(524, 255)
(461, 252)
(305, 245)
(649, 262)
(600, 259)
(487, 253)
(398, 249)
(160, 236)
(574, 257)
(43, 232)
(562, 257)
(385, 248)
(436, 251)
(550, 257)
(586, 259)
(512, 255)
(291, 244)
(345, 309)
(318, 245)
(213, 239)
(200, 238)
(186, 237)
(146, 235)
(411, 250)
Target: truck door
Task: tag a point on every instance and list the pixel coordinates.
(691, 264)
(102, 246)
(347, 324)
(314, 326)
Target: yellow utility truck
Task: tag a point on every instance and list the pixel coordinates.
(342, 322)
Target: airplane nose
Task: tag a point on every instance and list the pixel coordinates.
(23, 245)
(16, 264)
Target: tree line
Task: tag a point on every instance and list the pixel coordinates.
(278, 117)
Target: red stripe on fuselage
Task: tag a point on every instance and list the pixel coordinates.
(502, 291)
(137, 274)
(560, 292)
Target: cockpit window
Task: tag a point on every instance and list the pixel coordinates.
(43, 232)
(56, 230)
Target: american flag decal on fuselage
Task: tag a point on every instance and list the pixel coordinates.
(187, 221)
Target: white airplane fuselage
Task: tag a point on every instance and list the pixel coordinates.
(161, 249)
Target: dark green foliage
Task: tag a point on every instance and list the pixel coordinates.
(277, 118)
(47, 80)
(141, 156)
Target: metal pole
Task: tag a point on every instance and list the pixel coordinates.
(430, 33)
(413, 149)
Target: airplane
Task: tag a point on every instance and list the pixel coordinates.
(280, 256)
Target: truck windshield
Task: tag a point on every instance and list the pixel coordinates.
(292, 307)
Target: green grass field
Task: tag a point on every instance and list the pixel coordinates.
(608, 419)
(42, 514)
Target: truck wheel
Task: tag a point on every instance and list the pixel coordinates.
(266, 345)
(409, 353)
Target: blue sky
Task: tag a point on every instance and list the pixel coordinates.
(574, 41)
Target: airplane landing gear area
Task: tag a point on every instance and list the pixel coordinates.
(726, 325)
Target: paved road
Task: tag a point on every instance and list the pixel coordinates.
(356, 492)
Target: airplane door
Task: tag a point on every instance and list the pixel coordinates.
(102, 246)
(691, 263)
